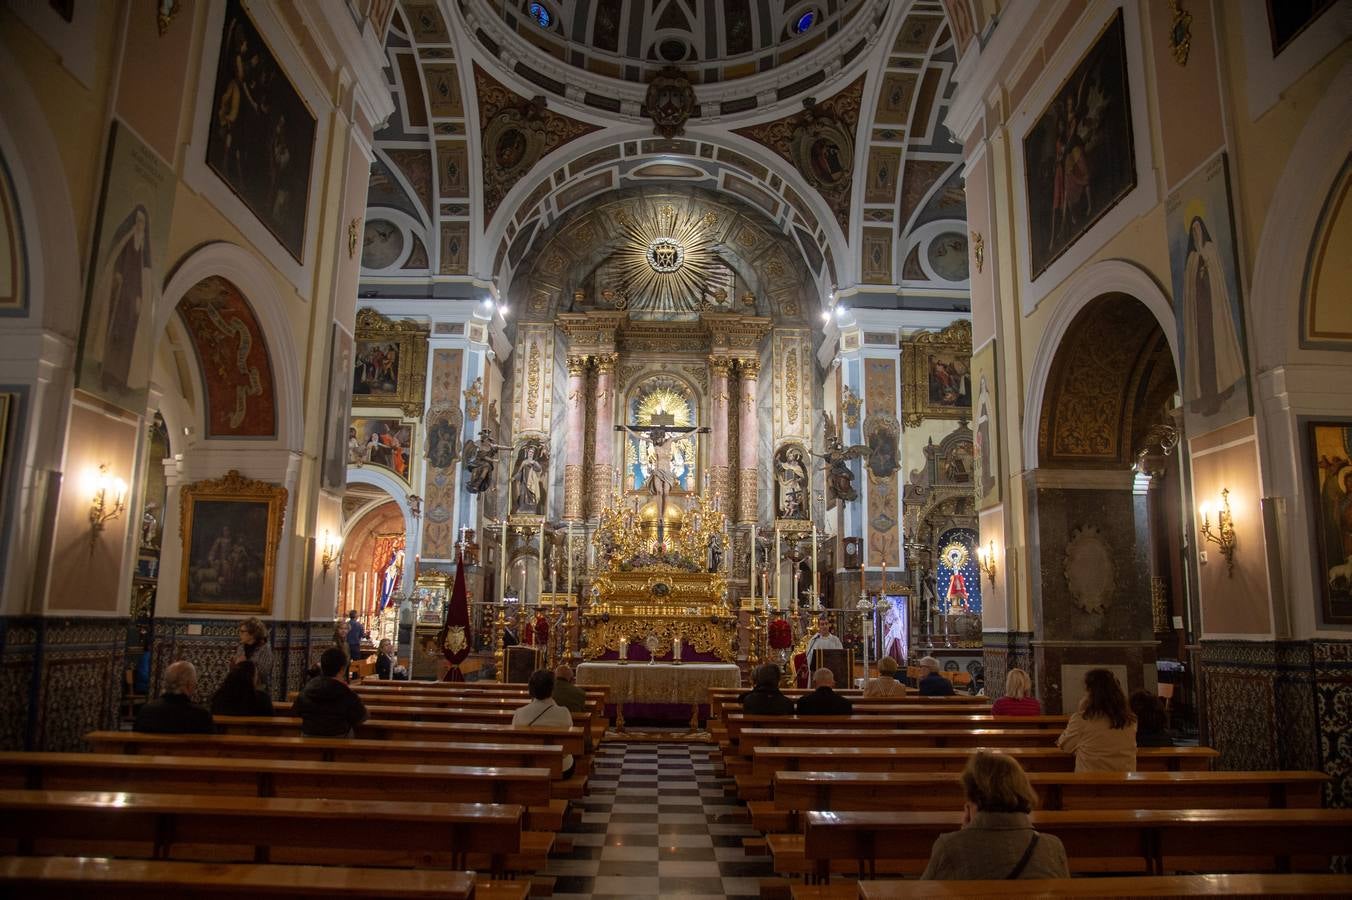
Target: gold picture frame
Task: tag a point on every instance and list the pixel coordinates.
(937, 374)
(232, 527)
(389, 363)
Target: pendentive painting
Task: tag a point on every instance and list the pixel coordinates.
(1078, 157)
(130, 245)
(233, 359)
(1330, 466)
(231, 530)
(262, 136)
(1206, 299)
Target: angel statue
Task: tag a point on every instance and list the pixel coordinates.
(839, 478)
(481, 460)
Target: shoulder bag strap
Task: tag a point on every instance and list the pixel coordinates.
(1023, 860)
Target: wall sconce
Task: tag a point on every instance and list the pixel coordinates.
(985, 560)
(329, 554)
(107, 501)
(1224, 535)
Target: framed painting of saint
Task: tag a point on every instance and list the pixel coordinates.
(937, 374)
(340, 404)
(1079, 159)
(1328, 464)
(232, 527)
(389, 362)
(381, 441)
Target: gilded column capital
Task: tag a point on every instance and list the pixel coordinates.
(577, 365)
(720, 365)
(605, 362)
(749, 369)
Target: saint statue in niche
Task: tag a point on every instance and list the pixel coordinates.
(791, 480)
(529, 478)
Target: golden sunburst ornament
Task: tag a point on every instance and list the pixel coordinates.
(666, 258)
(955, 554)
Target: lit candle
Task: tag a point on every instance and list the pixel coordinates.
(624, 648)
(815, 595)
(540, 567)
(779, 581)
(676, 649)
(502, 563)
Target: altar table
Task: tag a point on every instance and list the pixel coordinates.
(641, 682)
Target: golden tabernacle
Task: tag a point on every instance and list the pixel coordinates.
(655, 591)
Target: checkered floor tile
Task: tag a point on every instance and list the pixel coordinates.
(656, 823)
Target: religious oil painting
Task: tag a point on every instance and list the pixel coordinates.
(375, 369)
(1206, 299)
(1329, 463)
(985, 457)
(389, 363)
(125, 273)
(1289, 19)
(381, 441)
(1078, 156)
(232, 528)
(262, 136)
(334, 472)
(937, 374)
(233, 359)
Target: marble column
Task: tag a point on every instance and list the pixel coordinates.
(747, 440)
(573, 462)
(718, 430)
(603, 460)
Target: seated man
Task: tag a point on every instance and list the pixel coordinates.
(765, 698)
(933, 684)
(327, 706)
(543, 712)
(174, 712)
(824, 701)
(566, 694)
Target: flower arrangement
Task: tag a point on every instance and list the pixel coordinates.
(781, 634)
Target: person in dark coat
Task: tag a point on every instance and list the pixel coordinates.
(824, 701)
(327, 706)
(934, 684)
(174, 712)
(765, 698)
(240, 695)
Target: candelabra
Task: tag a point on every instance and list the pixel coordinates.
(1224, 535)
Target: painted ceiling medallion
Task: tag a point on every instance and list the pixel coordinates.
(670, 102)
(515, 138)
(665, 255)
(666, 258)
(823, 149)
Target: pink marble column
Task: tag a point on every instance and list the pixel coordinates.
(747, 443)
(603, 462)
(573, 463)
(718, 430)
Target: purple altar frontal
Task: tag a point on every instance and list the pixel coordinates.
(662, 690)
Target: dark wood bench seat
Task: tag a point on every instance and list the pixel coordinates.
(1260, 885)
(269, 829)
(573, 740)
(1154, 841)
(45, 877)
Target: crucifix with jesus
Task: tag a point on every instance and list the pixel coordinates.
(662, 432)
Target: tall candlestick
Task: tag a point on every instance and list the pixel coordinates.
(502, 563)
(753, 564)
(540, 567)
(779, 582)
(816, 597)
(568, 547)
(882, 591)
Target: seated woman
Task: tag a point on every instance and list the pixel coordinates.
(240, 694)
(997, 840)
(886, 684)
(1017, 700)
(1151, 730)
(1102, 735)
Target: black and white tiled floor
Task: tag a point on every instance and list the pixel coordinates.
(657, 823)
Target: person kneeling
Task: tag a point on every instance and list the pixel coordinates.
(997, 840)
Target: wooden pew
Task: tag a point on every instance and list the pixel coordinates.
(1264, 885)
(468, 688)
(529, 788)
(1152, 840)
(719, 696)
(342, 750)
(799, 792)
(768, 760)
(438, 713)
(22, 878)
(571, 739)
(269, 829)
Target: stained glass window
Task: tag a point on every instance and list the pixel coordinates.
(805, 21)
(542, 16)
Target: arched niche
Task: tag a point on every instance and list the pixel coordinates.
(371, 539)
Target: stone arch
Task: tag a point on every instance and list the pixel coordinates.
(255, 283)
(1107, 277)
(399, 494)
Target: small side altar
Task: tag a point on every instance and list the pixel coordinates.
(665, 585)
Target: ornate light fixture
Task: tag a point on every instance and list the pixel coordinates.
(329, 554)
(666, 258)
(1224, 535)
(107, 501)
(985, 560)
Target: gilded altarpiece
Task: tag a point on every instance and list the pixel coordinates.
(880, 469)
(439, 493)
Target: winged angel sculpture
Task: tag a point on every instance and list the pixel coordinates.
(839, 479)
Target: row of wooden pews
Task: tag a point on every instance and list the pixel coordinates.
(401, 810)
(869, 793)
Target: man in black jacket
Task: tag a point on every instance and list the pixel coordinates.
(934, 684)
(327, 706)
(824, 701)
(765, 698)
(174, 712)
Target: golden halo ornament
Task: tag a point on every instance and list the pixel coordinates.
(665, 255)
(954, 555)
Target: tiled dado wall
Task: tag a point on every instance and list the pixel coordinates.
(1282, 705)
(62, 677)
(1002, 651)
